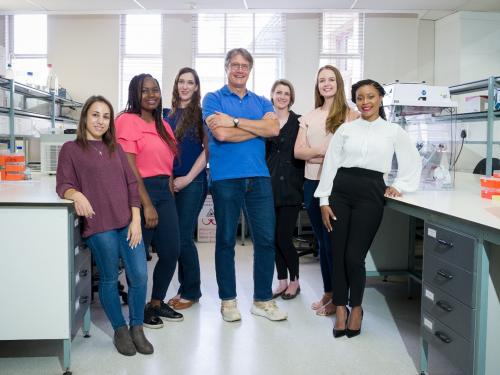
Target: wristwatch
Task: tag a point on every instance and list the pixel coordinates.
(236, 122)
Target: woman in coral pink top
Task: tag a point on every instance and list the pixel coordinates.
(151, 148)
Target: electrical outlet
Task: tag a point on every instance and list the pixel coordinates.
(464, 132)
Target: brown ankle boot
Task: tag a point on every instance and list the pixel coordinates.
(123, 341)
(142, 344)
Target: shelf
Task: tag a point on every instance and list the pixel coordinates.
(465, 88)
(18, 112)
(472, 116)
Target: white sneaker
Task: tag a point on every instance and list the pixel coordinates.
(269, 310)
(229, 310)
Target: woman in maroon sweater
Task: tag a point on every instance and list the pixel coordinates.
(94, 173)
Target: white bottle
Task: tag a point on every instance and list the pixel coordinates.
(52, 80)
(9, 73)
(29, 79)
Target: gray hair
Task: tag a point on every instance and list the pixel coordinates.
(238, 51)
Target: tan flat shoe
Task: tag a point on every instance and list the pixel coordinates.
(172, 301)
(181, 305)
(327, 309)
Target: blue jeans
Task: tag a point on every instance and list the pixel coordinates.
(321, 234)
(107, 248)
(165, 235)
(255, 194)
(189, 202)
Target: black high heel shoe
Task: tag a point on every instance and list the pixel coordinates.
(354, 332)
(341, 332)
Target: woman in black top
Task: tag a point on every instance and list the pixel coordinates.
(287, 176)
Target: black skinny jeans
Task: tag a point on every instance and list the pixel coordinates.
(287, 259)
(165, 235)
(357, 201)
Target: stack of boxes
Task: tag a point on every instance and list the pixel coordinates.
(490, 186)
(12, 167)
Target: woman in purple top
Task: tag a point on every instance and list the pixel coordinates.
(94, 173)
(190, 180)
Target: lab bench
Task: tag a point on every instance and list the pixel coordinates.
(45, 266)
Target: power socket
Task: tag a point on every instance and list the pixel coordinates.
(463, 133)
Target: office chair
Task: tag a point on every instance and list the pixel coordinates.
(481, 166)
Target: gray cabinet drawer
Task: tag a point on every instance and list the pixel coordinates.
(449, 278)
(82, 255)
(83, 272)
(455, 248)
(449, 343)
(77, 233)
(448, 310)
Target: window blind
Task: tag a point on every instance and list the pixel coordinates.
(140, 50)
(342, 44)
(262, 34)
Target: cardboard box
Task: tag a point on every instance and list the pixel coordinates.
(206, 222)
(478, 103)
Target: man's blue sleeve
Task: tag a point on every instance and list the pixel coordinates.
(211, 104)
(267, 106)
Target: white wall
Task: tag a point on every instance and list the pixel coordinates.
(177, 50)
(302, 58)
(85, 54)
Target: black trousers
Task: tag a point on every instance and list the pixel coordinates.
(287, 258)
(357, 201)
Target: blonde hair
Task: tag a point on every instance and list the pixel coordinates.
(339, 109)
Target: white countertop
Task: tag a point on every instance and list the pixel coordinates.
(41, 190)
(463, 202)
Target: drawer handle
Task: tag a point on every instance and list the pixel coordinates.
(84, 300)
(84, 273)
(445, 306)
(445, 243)
(444, 338)
(444, 274)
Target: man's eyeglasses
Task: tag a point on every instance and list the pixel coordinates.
(242, 67)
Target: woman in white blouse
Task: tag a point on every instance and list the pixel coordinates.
(351, 192)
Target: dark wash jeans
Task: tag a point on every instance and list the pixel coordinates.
(230, 196)
(189, 202)
(320, 232)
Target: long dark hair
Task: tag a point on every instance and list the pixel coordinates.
(369, 82)
(108, 138)
(339, 109)
(134, 106)
(191, 116)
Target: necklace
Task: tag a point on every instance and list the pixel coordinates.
(95, 148)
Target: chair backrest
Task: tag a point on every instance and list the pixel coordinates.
(481, 166)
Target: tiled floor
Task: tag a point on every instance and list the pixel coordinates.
(204, 344)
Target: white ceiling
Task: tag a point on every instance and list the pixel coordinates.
(426, 9)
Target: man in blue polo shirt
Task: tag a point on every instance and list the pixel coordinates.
(238, 122)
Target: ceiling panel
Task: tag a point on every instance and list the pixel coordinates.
(300, 4)
(189, 5)
(410, 4)
(482, 6)
(434, 15)
(91, 6)
(18, 5)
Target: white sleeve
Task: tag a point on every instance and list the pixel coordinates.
(409, 162)
(331, 163)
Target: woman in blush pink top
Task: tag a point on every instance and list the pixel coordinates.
(316, 130)
(151, 148)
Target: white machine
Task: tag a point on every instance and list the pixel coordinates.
(50, 145)
(429, 116)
